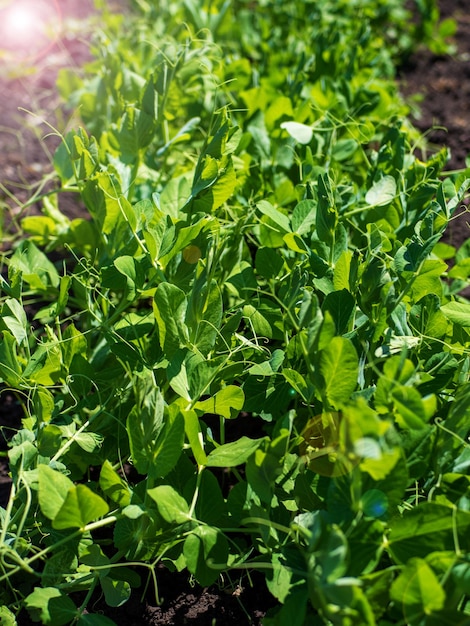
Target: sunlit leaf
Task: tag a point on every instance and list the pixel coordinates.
(50, 606)
(339, 367)
(300, 132)
(172, 507)
(81, 506)
(382, 191)
(233, 454)
(226, 402)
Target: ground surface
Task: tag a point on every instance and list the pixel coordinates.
(25, 155)
(443, 87)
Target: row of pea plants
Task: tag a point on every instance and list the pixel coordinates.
(250, 352)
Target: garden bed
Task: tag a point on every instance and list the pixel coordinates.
(238, 597)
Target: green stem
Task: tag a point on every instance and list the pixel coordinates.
(25, 564)
(196, 491)
(222, 430)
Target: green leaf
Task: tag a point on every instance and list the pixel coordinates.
(170, 306)
(93, 557)
(113, 486)
(205, 551)
(204, 314)
(242, 280)
(382, 191)
(461, 575)
(227, 402)
(410, 411)
(131, 269)
(50, 606)
(210, 504)
(233, 454)
(59, 567)
(257, 321)
(279, 578)
(14, 318)
(417, 590)
(294, 609)
(218, 191)
(194, 435)
(185, 235)
(265, 466)
(396, 371)
(343, 149)
(303, 217)
(74, 344)
(177, 373)
(53, 489)
(116, 592)
(168, 446)
(300, 132)
(143, 426)
(340, 305)
(457, 313)
(89, 442)
(44, 366)
(207, 175)
(298, 383)
(80, 507)
(281, 220)
(10, 368)
(49, 440)
(429, 279)
(342, 271)
(175, 195)
(428, 527)
(365, 546)
(339, 366)
(172, 507)
(7, 618)
(326, 217)
(43, 402)
(268, 262)
(34, 266)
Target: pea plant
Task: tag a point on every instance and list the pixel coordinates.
(251, 351)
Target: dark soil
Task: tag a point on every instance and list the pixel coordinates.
(443, 82)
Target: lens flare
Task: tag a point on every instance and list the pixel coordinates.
(374, 503)
(28, 28)
(22, 22)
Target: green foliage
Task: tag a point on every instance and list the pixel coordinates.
(261, 250)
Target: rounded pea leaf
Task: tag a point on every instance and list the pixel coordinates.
(49, 605)
(457, 313)
(80, 507)
(53, 489)
(116, 592)
(226, 402)
(417, 590)
(382, 192)
(206, 552)
(171, 506)
(428, 527)
(300, 132)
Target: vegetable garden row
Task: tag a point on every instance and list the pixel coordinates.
(251, 352)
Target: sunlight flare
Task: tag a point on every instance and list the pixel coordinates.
(28, 27)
